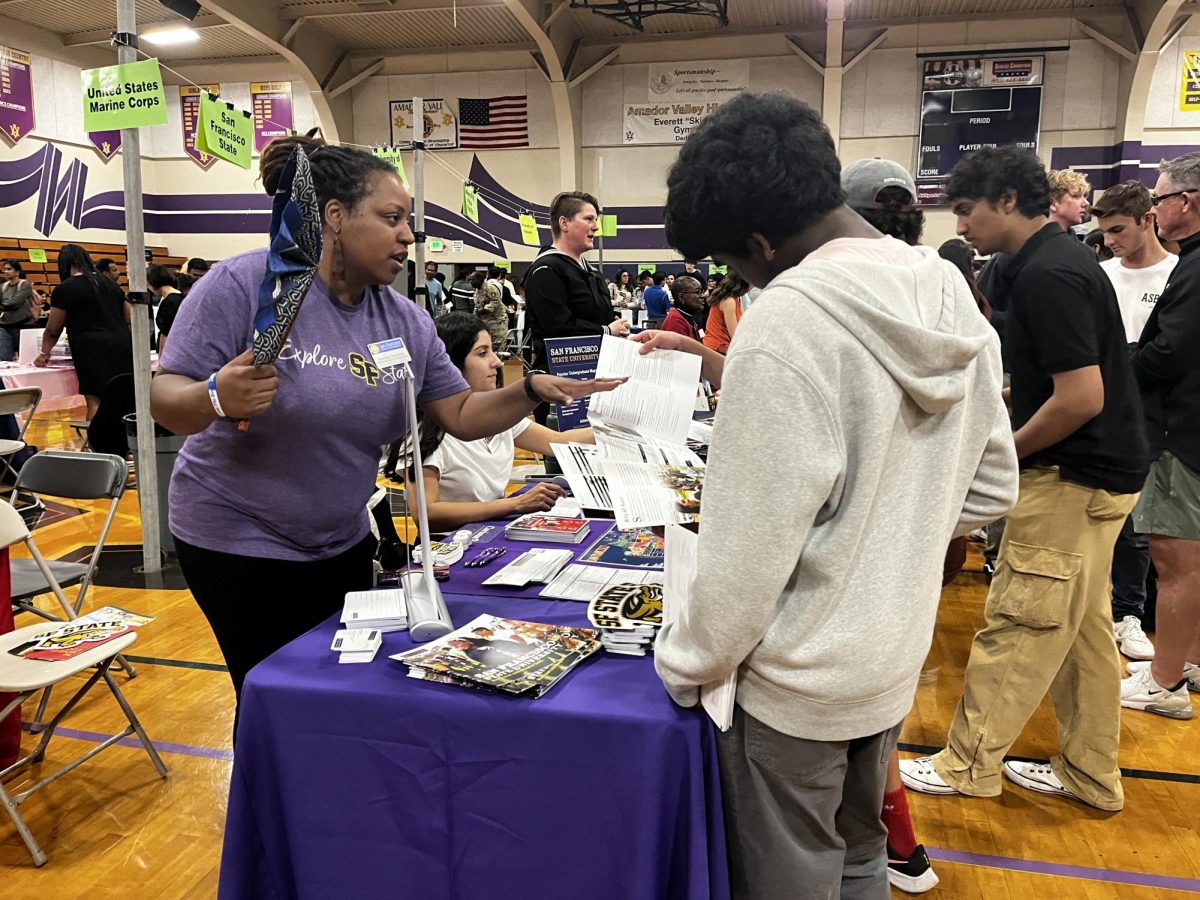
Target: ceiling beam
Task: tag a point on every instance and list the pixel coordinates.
(795, 47)
(297, 24)
(563, 6)
(347, 10)
(410, 52)
(1104, 40)
(860, 55)
(717, 32)
(357, 78)
(595, 67)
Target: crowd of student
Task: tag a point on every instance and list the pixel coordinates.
(863, 404)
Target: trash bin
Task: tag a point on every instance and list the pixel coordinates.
(166, 447)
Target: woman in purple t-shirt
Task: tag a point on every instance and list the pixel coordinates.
(271, 523)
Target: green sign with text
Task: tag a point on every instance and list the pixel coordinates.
(225, 132)
(124, 96)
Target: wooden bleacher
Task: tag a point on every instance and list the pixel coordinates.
(44, 276)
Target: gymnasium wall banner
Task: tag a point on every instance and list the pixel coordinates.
(107, 143)
(1189, 82)
(969, 103)
(271, 104)
(189, 109)
(16, 94)
(664, 123)
(716, 80)
(441, 125)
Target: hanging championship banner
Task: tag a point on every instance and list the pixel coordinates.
(441, 125)
(107, 143)
(16, 94)
(189, 109)
(663, 123)
(715, 80)
(271, 103)
(1189, 82)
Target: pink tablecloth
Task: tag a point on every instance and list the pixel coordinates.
(59, 384)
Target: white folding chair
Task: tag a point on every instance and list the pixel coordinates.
(25, 677)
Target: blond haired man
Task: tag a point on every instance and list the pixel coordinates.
(1068, 197)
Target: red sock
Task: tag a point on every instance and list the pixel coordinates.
(898, 823)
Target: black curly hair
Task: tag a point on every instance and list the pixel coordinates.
(761, 163)
(895, 215)
(989, 172)
(339, 173)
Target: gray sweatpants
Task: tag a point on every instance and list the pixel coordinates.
(802, 817)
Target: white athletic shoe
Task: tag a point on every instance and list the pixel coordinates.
(1191, 671)
(1141, 691)
(1131, 640)
(920, 775)
(1037, 777)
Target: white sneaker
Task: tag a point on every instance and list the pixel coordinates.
(1131, 640)
(1141, 691)
(1191, 671)
(1036, 777)
(920, 775)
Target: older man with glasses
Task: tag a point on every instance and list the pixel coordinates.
(1167, 366)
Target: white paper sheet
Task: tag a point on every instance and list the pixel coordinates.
(539, 565)
(641, 497)
(681, 547)
(586, 583)
(657, 400)
(579, 463)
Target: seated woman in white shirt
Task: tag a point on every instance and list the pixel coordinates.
(465, 480)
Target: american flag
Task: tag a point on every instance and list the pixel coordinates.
(495, 123)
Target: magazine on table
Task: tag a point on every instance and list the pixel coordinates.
(547, 529)
(638, 548)
(509, 656)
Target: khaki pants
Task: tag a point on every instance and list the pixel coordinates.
(1048, 628)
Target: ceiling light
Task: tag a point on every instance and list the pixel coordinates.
(170, 37)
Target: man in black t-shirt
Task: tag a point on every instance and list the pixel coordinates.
(1082, 446)
(1167, 365)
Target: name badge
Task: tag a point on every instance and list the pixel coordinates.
(389, 353)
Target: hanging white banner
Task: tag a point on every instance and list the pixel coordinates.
(441, 126)
(705, 80)
(663, 123)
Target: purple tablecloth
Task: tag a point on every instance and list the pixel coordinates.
(356, 781)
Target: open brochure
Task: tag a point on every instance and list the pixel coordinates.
(644, 483)
(505, 655)
(718, 697)
(656, 403)
(71, 639)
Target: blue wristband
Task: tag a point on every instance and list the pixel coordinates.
(212, 395)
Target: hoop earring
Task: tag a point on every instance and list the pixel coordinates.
(339, 259)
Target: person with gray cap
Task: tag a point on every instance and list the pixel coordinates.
(883, 193)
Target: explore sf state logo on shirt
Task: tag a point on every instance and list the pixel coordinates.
(357, 364)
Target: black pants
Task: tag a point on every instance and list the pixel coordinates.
(1130, 571)
(255, 606)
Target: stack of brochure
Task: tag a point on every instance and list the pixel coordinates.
(381, 610)
(538, 566)
(547, 529)
(505, 655)
(629, 616)
(586, 583)
(358, 645)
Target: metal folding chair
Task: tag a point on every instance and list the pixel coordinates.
(67, 475)
(22, 403)
(25, 677)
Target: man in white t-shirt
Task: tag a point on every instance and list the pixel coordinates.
(1138, 270)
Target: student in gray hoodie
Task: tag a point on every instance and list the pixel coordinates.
(860, 401)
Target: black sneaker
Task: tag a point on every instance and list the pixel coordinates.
(913, 875)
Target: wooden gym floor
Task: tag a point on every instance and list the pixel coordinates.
(112, 828)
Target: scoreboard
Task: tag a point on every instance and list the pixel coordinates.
(957, 122)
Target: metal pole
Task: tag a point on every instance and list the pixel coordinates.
(135, 241)
(418, 290)
(600, 193)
